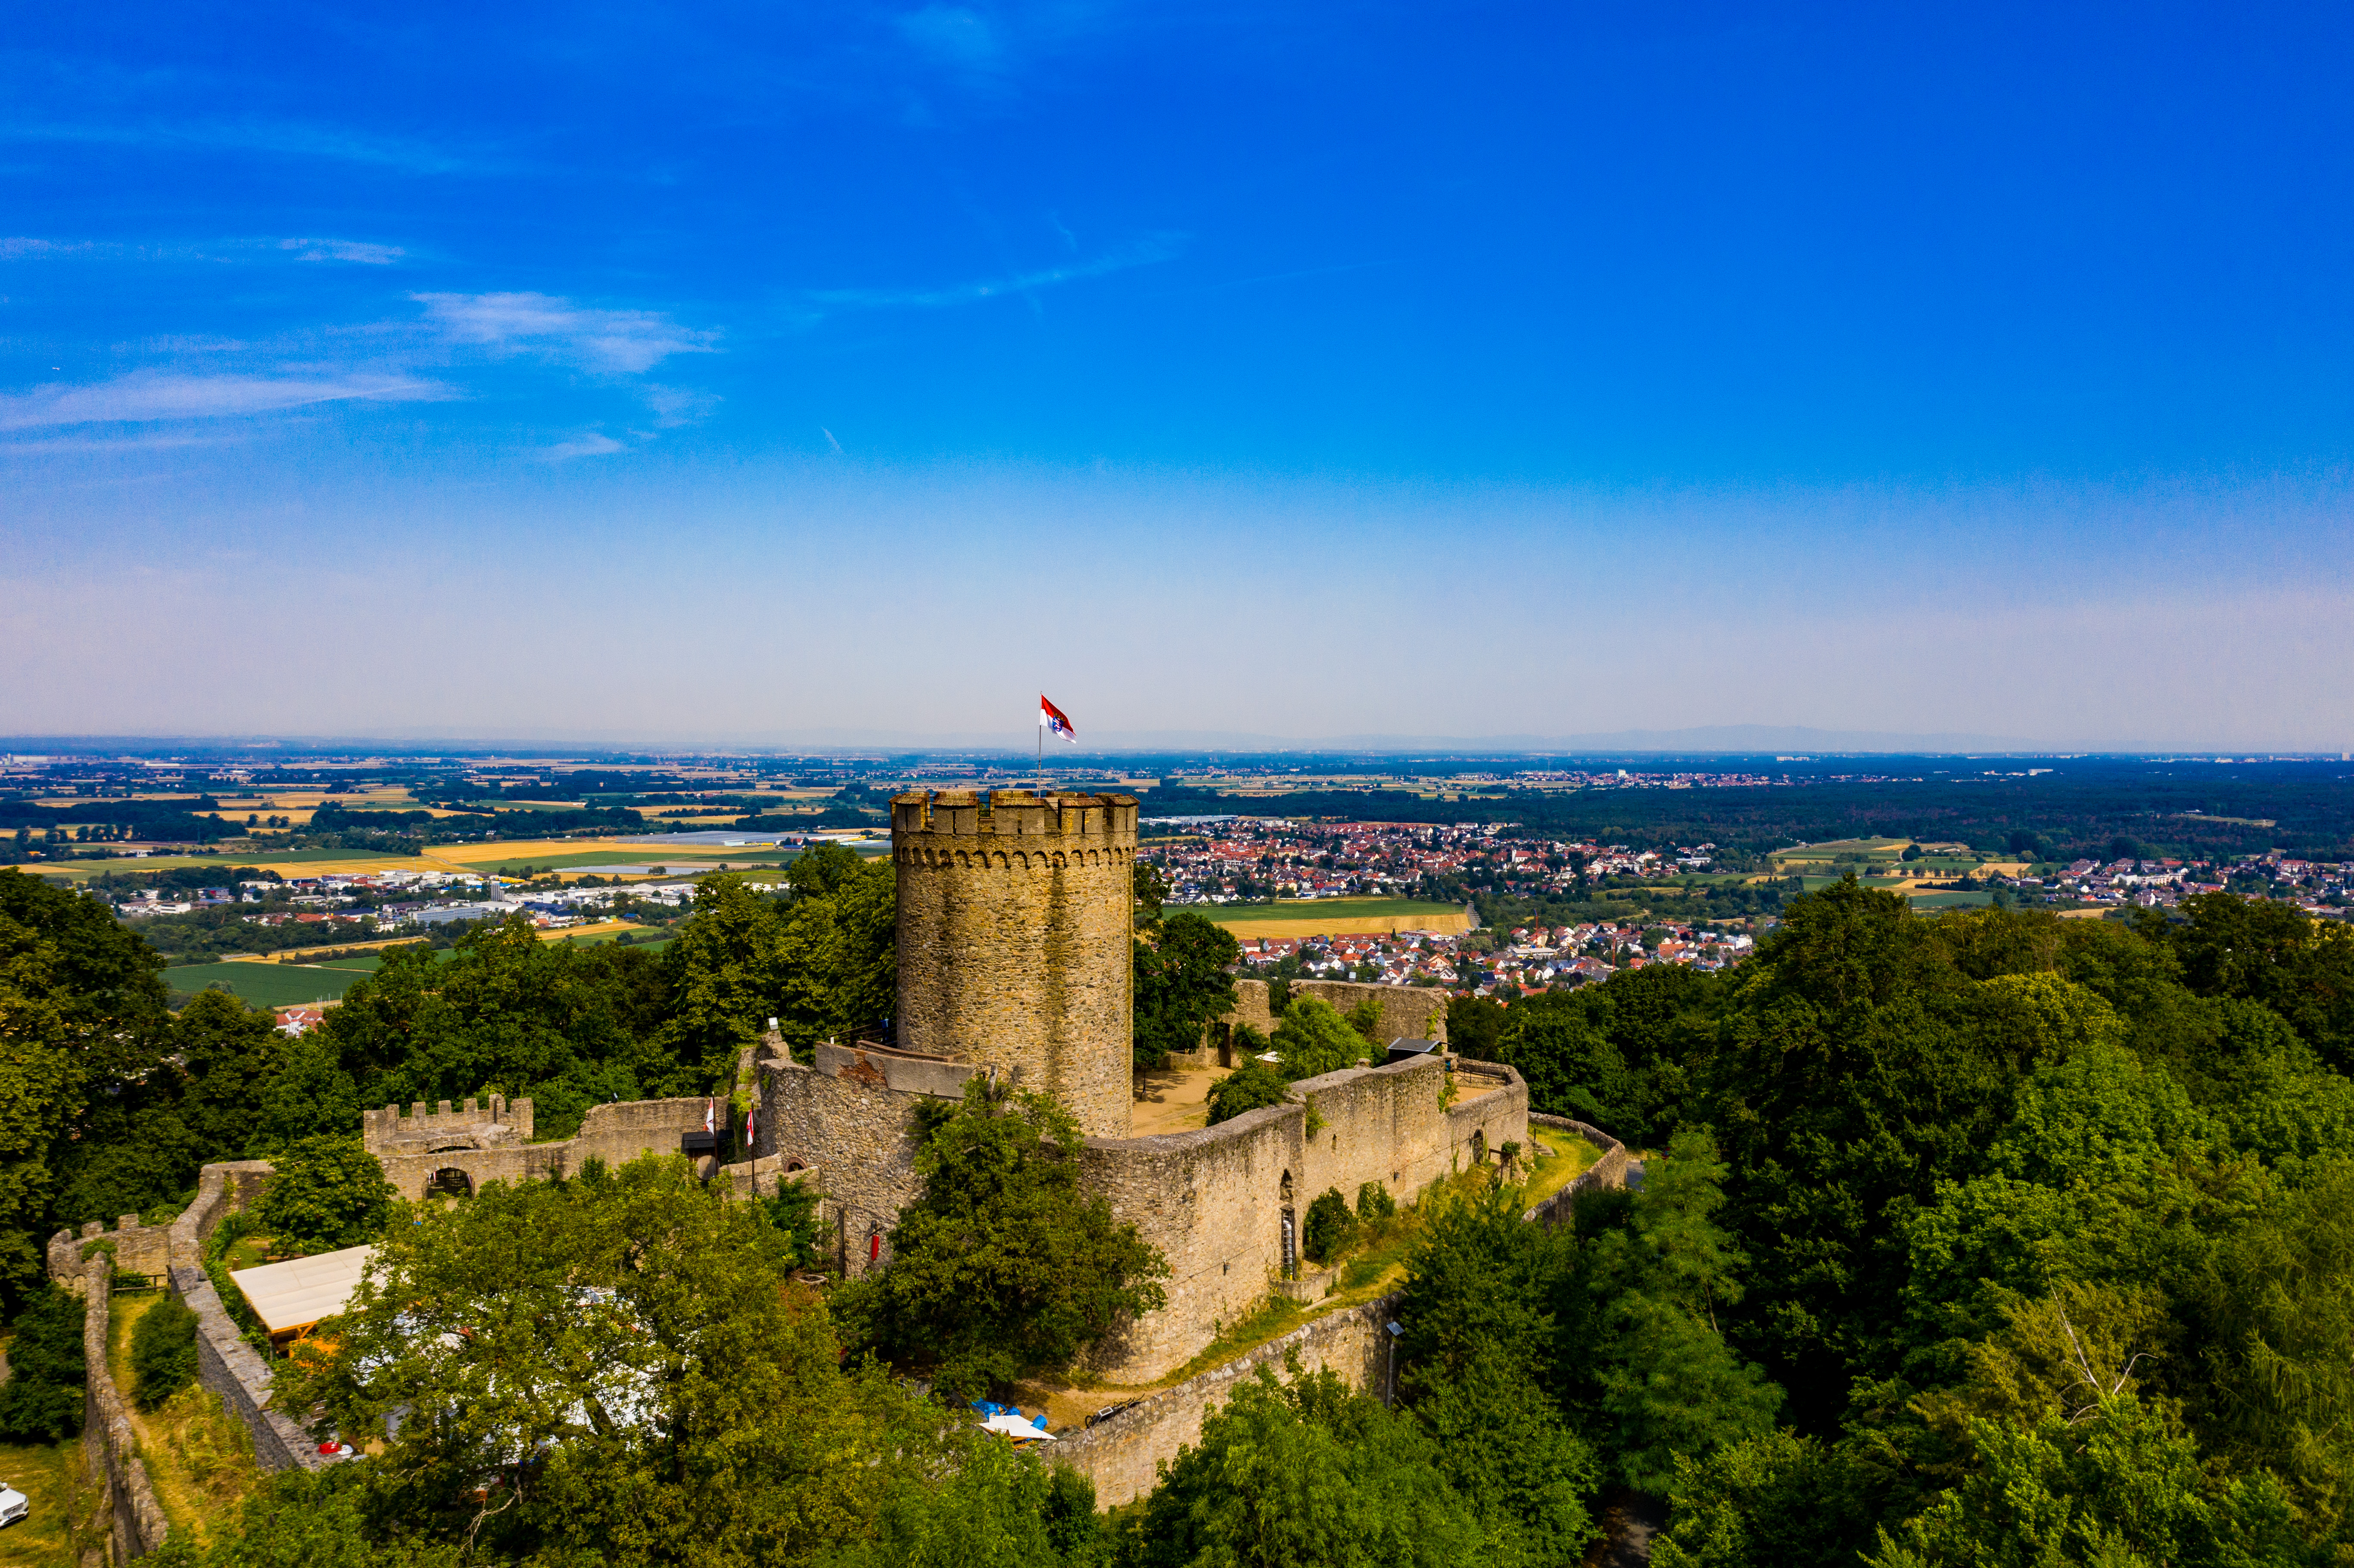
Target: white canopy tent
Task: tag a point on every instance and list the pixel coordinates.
(292, 1296)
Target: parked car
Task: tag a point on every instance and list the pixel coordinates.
(14, 1504)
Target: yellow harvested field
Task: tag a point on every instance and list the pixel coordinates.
(468, 854)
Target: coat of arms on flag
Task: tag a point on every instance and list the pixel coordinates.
(1051, 718)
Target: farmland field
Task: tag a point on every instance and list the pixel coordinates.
(263, 985)
(1318, 917)
(1951, 900)
(289, 862)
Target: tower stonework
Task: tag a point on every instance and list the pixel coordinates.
(1017, 925)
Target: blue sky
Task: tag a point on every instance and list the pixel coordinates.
(769, 371)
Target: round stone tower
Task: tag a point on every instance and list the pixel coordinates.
(1016, 924)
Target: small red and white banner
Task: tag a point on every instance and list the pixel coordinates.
(1053, 718)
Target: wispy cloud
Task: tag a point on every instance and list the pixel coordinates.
(591, 443)
(1144, 253)
(151, 394)
(359, 250)
(676, 406)
(628, 341)
(282, 138)
(17, 248)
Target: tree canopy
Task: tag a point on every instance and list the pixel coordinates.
(1004, 1263)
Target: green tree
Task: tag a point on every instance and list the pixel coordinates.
(616, 1369)
(1654, 1363)
(1772, 1499)
(2120, 1488)
(82, 1030)
(42, 1400)
(1004, 1263)
(1329, 1226)
(1312, 1039)
(988, 1505)
(1251, 1086)
(325, 1193)
(1181, 984)
(163, 1352)
(502, 1011)
(1290, 1476)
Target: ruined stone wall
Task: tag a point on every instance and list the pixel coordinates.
(221, 1189)
(240, 1375)
(1121, 1452)
(862, 1133)
(108, 1443)
(1610, 1171)
(1411, 1012)
(1015, 926)
(1214, 1200)
(389, 1130)
(615, 1134)
(137, 1249)
(1394, 1125)
(412, 1175)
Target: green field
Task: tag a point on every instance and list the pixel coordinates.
(264, 985)
(1319, 910)
(1951, 900)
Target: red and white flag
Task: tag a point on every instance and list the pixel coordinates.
(1054, 718)
(710, 1119)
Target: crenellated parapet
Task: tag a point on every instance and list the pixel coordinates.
(491, 1124)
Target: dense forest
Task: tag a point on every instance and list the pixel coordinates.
(1986, 1237)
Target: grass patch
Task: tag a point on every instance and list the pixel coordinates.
(199, 1456)
(1572, 1157)
(50, 1476)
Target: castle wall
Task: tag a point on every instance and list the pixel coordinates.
(1015, 927)
(861, 1132)
(137, 1249)
(1212, 1202)
(1408, 1011)
(109, 1445)
(384, 1129)
(615, 1134)
(1122, 1453)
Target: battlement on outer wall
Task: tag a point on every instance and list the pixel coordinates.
(1021, 813)
(380, 1129)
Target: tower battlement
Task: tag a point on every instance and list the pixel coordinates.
(1014, 813)
(1016, 919)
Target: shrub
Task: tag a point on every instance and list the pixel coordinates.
(793, 1211)
(163, 1352)
(1250, 1087)
(1329, 1226)
(41, 1402)
(1374, 1202)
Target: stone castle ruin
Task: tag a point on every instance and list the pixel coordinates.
(1015, 925)
(1015, 921)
